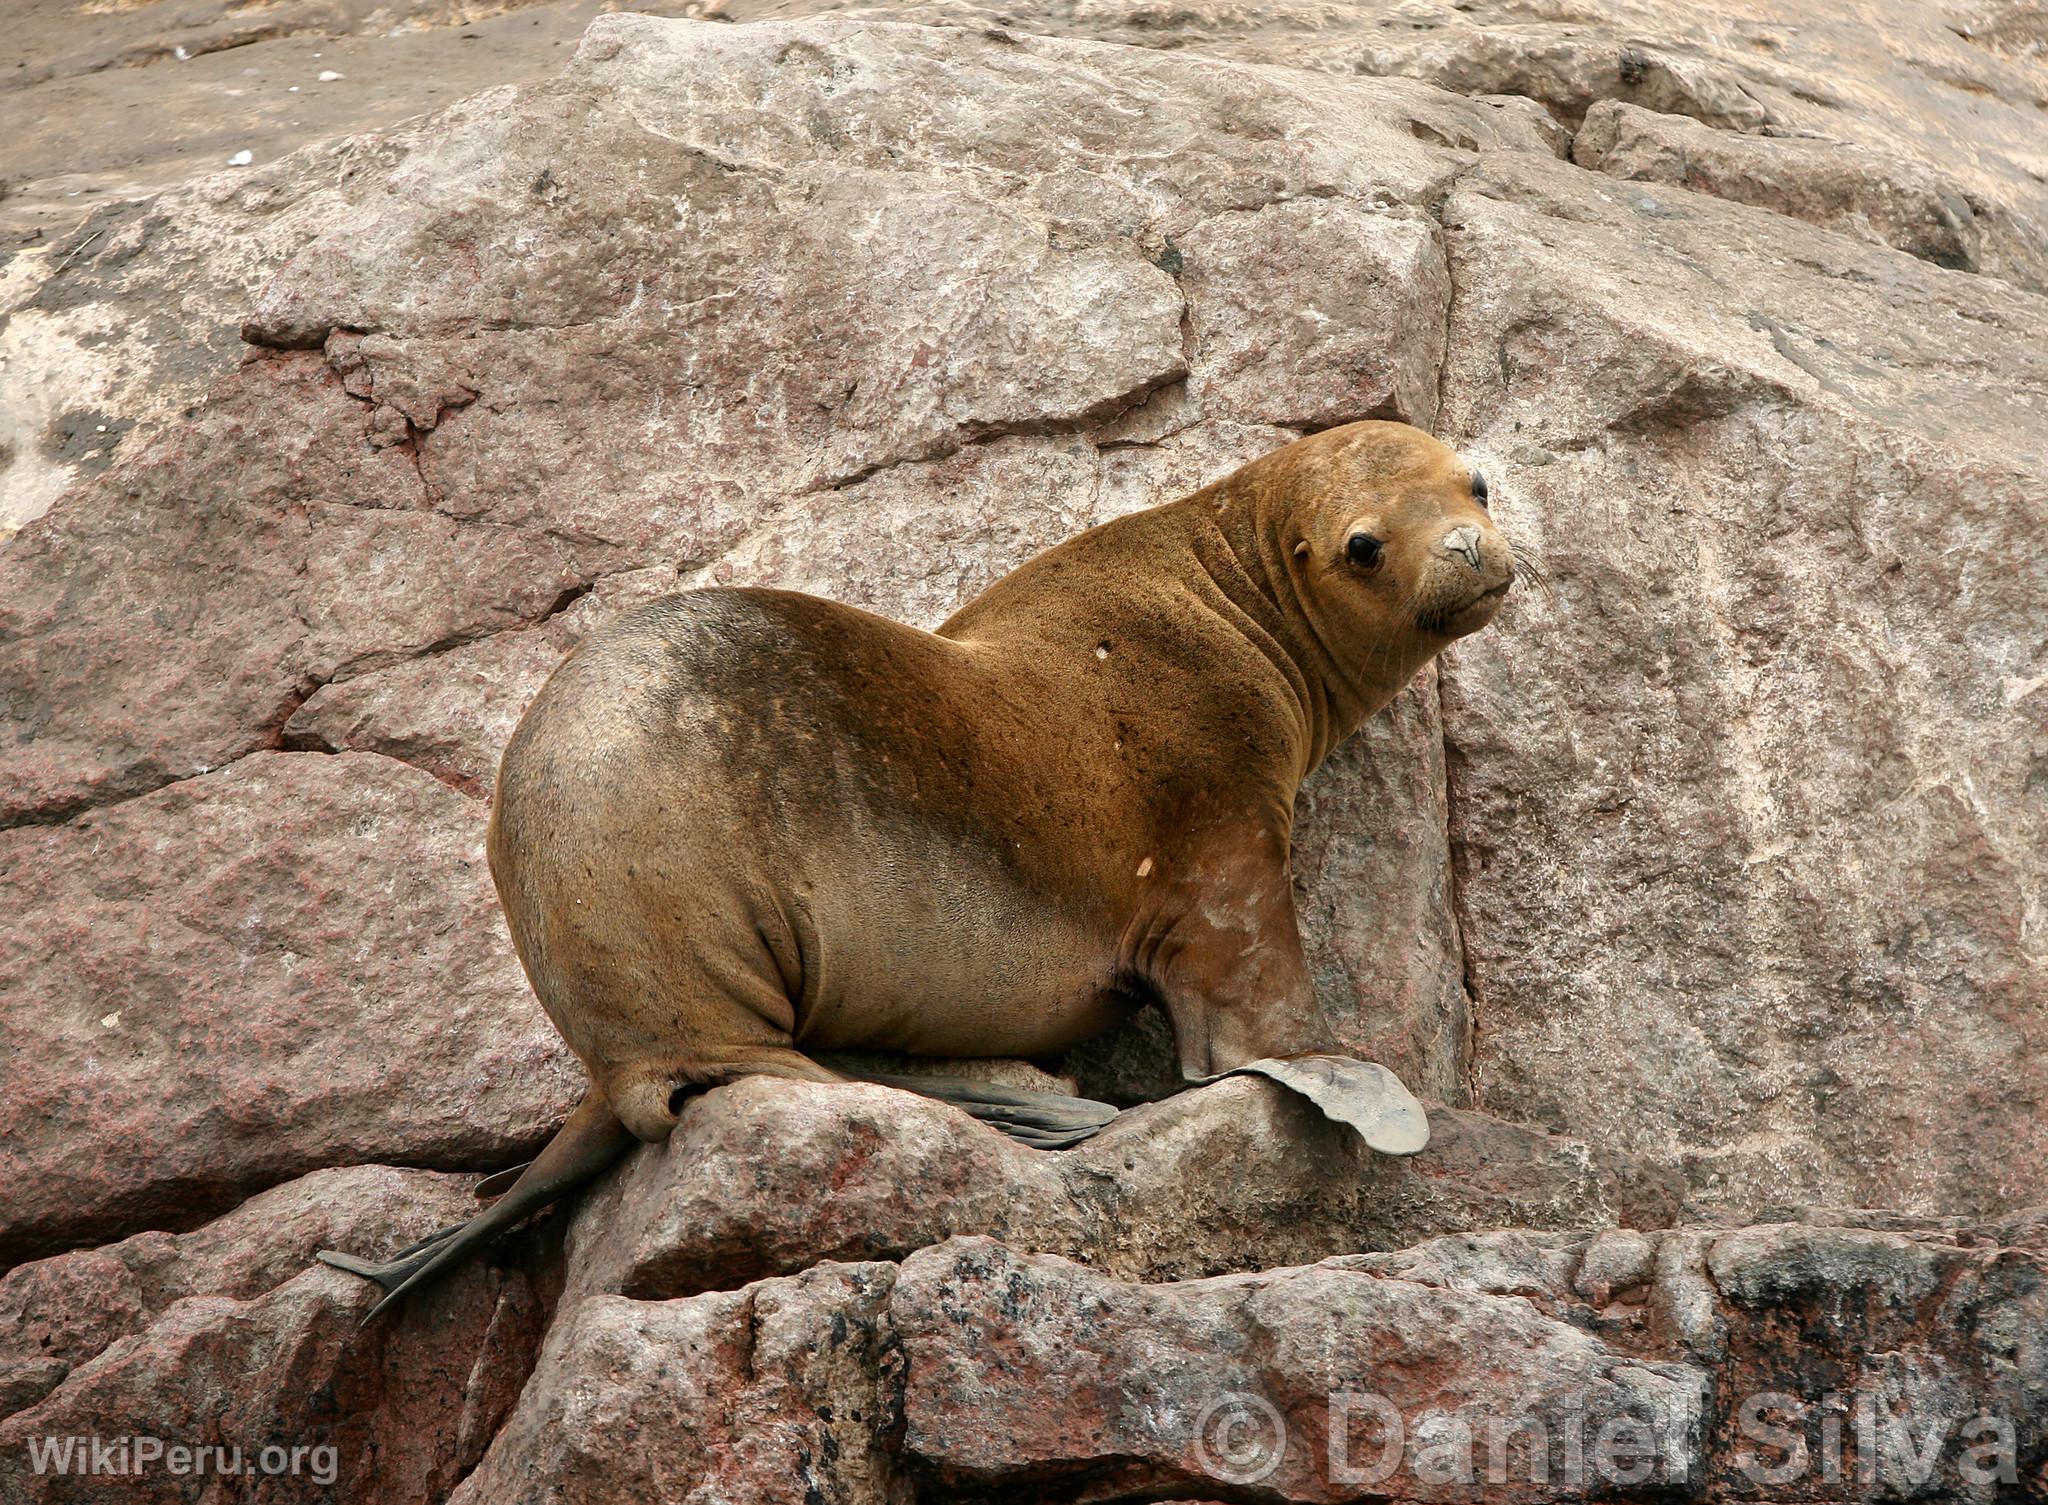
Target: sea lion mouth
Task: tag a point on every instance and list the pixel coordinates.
(1443, 620)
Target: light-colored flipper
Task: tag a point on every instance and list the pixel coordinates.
(1362, 1094)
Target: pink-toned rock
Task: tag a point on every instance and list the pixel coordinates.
(783, 1391)
(59, 1313)
(1905, 1359)
(225, 1338)
(1390, 973)
(276, 552)
(294, 962)
(509, 420)
(1022, 1367)
(1952, 92)
(290, 1388)
(1364, 343)
(1487, 1367)
(1747, 852)
(1745, 849)
(452, 713)
(1894, 201)
(766, 1178)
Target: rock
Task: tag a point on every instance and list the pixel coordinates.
(419, 520)
(1892, 201)
(1232, 1177)
(1714, 872)
(337, 568)
(291, 963)
(451, 713)
(1931, 1365)
(781, 1390)
(116, 329)
(1949, 95)
(1743, 848)
(225, 1339)
(1021, 1367)
(59, 1313)
(1568, 73)
(1589, 877)
(1467, 1368)
(971, 1367)
(1391, 974)
(1346, 350)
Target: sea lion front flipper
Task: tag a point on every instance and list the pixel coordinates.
(1043, 1120)
(1361, 1094)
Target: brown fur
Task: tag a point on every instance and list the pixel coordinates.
(739, 825)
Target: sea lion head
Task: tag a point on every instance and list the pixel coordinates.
(1390, 538)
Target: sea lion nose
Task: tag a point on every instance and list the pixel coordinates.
(1464, 541)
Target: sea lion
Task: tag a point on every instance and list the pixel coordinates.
(738, 826)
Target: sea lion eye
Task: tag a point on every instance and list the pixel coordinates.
(1479, 487)
(1364, 550)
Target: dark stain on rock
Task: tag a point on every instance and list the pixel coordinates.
(85, 438)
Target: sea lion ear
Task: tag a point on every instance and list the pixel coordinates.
(1301, 549)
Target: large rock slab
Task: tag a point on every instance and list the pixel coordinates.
(376, 533)
(292, 963)
(1946, 94)
(1789, 1362)
(767, 1178)
(1900, 202)
(1031, 1368)
(379, 538)
(1749, 848)
(783, 1390)
(277, 550)
(251, 1374)
(59, 1313)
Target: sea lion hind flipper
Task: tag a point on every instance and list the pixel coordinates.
(1043, 1120)
(391, 1273)
(500, 1182)
(582, 1148)
(1362, 1095)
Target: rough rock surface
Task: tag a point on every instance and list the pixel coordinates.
(1918, 209)
(294, 962)
(1714, 872)
(1232, 1177)
(1499, 1367)
(226, 1338)
(1676, 754)
(1747, 813)
(1948, 95)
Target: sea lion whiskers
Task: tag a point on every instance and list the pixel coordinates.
(1531, 567)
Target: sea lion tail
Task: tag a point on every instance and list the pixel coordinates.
(582, 1148)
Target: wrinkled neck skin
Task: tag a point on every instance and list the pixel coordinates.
(1246, 551)
(1201, 592)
